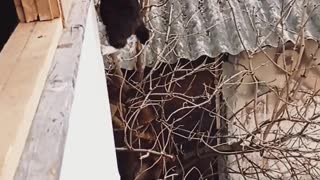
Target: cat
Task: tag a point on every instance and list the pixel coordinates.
(122, 19)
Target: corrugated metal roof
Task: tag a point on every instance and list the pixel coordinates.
(192, 28)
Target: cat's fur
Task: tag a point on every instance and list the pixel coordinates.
(122, 19)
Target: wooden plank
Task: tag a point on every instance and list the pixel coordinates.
(19, 96)
(50, 125)
(19, 10)
(48, 9)
(30, 10)
(13, 49)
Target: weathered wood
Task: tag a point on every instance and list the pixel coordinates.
(30, 10)
(19, 10)
(20, 94)
(42, 156)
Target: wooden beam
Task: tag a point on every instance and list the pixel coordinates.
(30, 10)
(26, 60)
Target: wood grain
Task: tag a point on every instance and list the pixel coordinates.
(26, 65)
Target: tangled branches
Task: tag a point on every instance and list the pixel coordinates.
(172, 122)
(254, 115)
(169, 118)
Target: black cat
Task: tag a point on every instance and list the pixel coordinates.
(122, 18)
